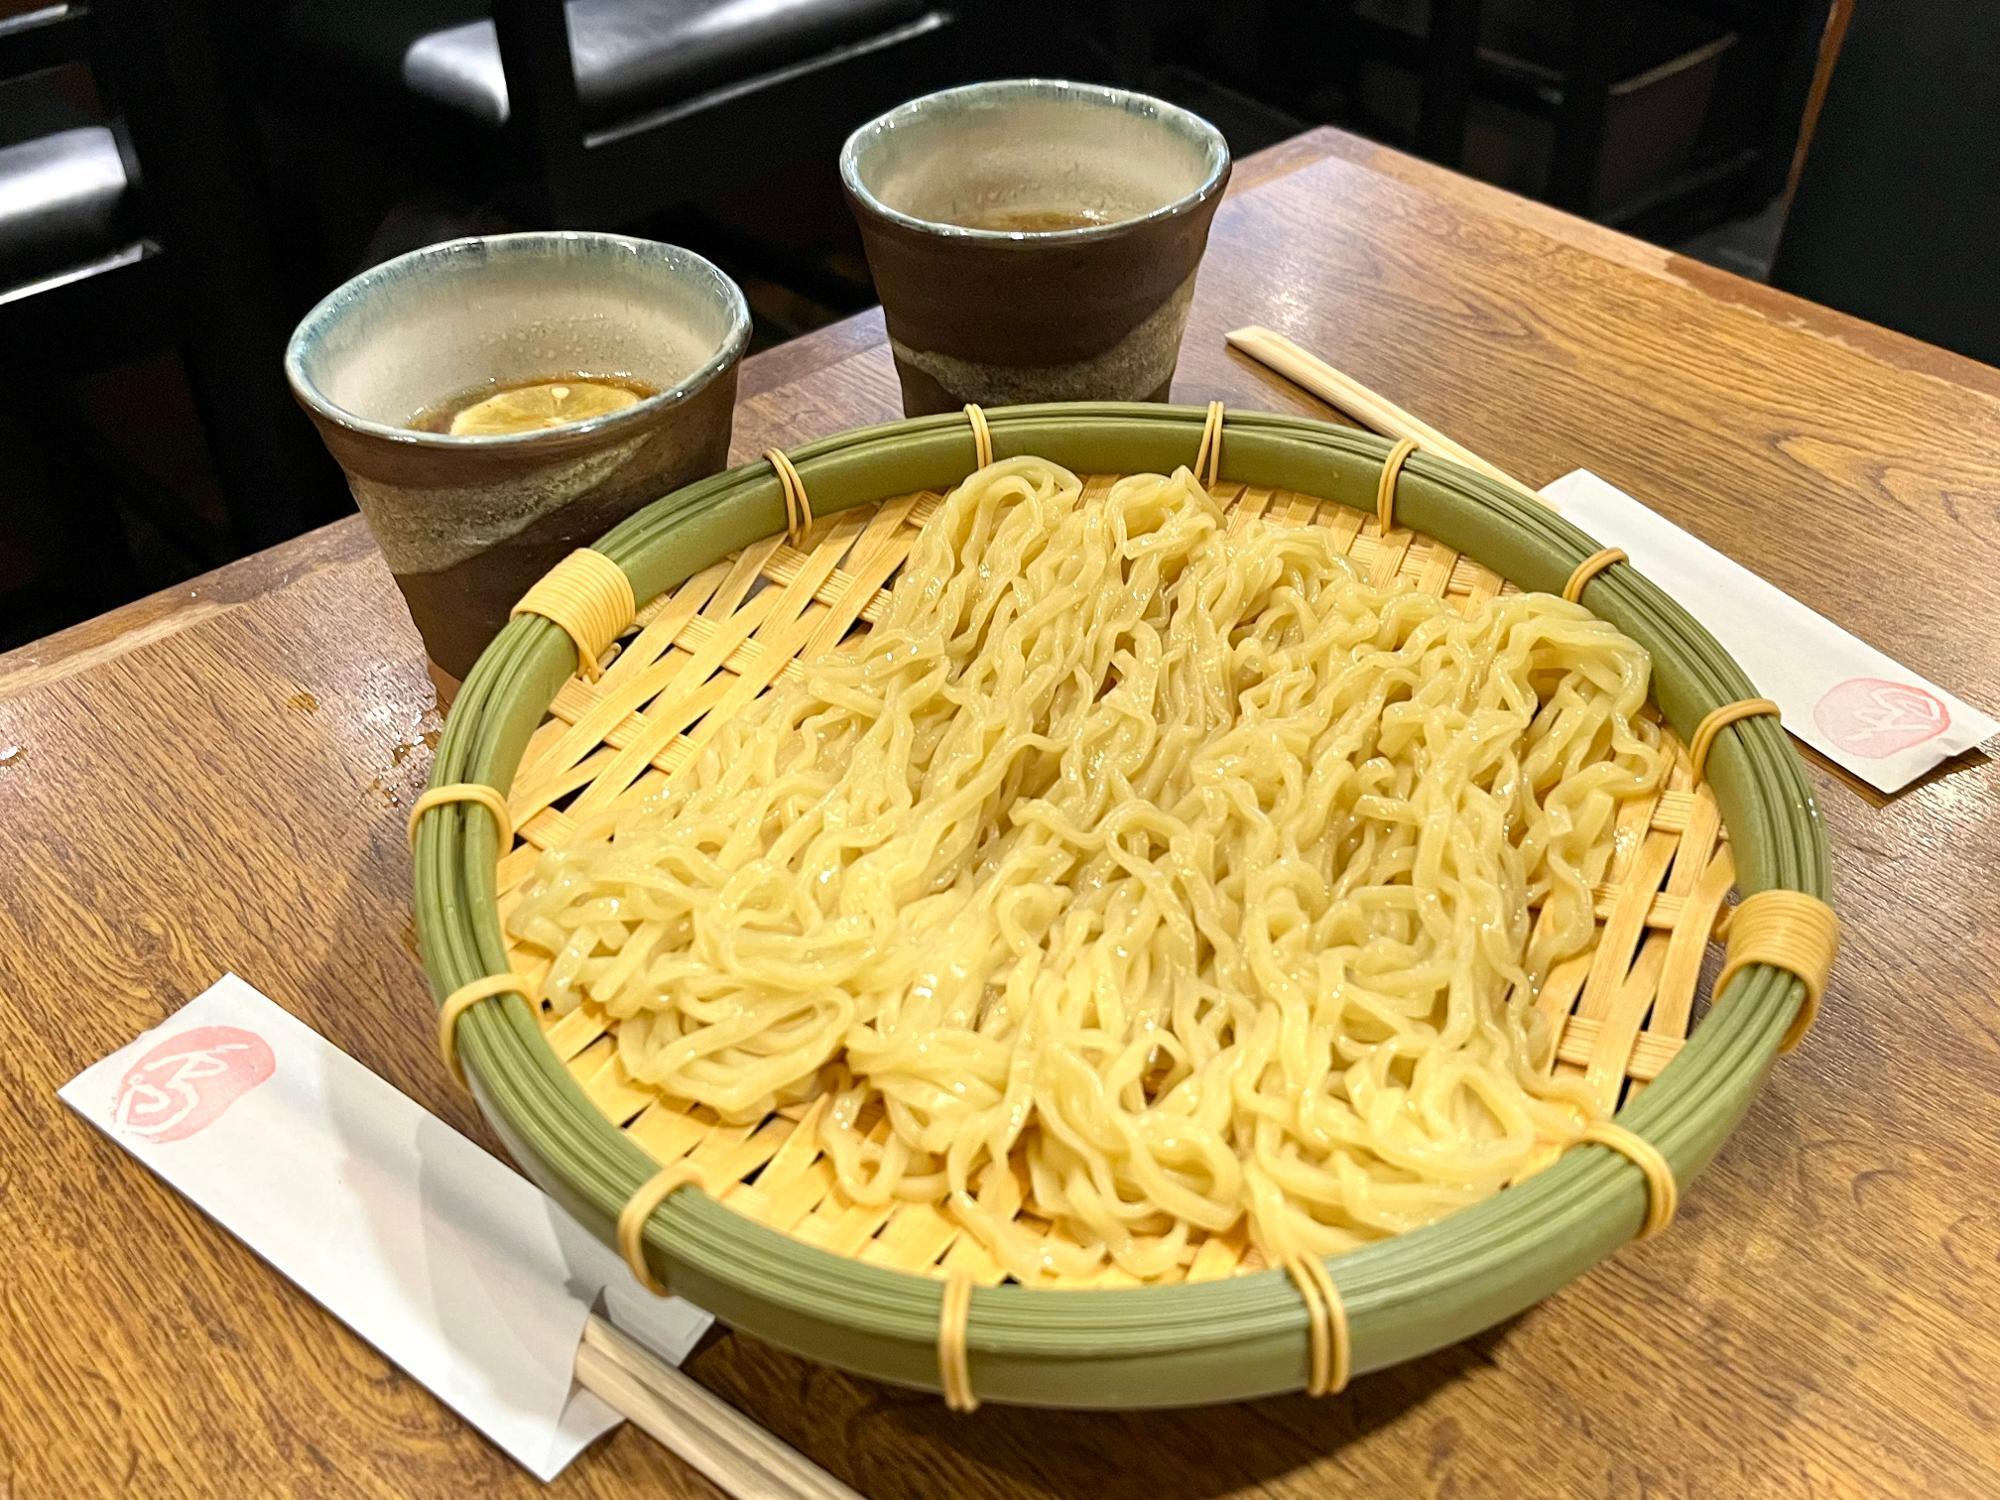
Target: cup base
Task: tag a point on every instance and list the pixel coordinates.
(924, 395)
(444, 683)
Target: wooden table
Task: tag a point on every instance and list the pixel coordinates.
(216, 778)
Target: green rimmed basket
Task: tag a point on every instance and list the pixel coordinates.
(862, 1290)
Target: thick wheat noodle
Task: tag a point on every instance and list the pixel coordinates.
(1139, 874)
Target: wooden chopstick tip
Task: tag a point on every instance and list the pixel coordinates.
(1250, 333)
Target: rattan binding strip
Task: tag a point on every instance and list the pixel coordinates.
(640, 1207)
(1208, 453)
(1330, 1348)
(982, 435)
(798, 505)
(1788, 930)
(1663, 1194)
(1717, 720)
(954, 1368)
(589, 596)
(1385, 487)
(462, 999)
(1589, 568)
(466, 791)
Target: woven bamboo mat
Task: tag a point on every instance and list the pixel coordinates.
(1620, 1011)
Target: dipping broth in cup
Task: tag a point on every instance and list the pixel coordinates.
(499, 402)
(493, 410)
(1034, 240)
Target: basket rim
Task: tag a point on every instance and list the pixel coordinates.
(1183, 1343)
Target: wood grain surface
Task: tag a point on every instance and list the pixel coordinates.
(216, 779)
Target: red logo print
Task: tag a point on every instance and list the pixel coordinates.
(1871, 717)
(187, 1081)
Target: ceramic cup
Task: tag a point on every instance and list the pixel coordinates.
(1034, 240)
(467, 523)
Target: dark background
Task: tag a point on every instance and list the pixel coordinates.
(181, 179)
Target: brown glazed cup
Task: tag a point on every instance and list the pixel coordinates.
(468, 523)
(985, 304)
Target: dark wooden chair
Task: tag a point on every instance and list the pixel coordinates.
(131, 229)
(1576, 65)
(69, 240)
(78, 285)
(1768, 35)
(603, 112)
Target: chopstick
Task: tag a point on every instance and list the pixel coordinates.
(705, 1431)
(1370, 408)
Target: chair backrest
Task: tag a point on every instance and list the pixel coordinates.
(44, 37)
(77, 282)
(1899, 197)
(544, 113)
(586, 175)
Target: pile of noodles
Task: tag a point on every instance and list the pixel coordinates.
(1144, 872)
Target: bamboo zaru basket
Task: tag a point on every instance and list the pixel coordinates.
(729, 603)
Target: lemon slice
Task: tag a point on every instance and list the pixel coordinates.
(528, 408)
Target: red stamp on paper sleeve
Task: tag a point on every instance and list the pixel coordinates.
(185, 1083)
(1872, 717)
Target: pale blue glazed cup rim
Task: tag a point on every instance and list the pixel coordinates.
(1003, 91)
(675, 259)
